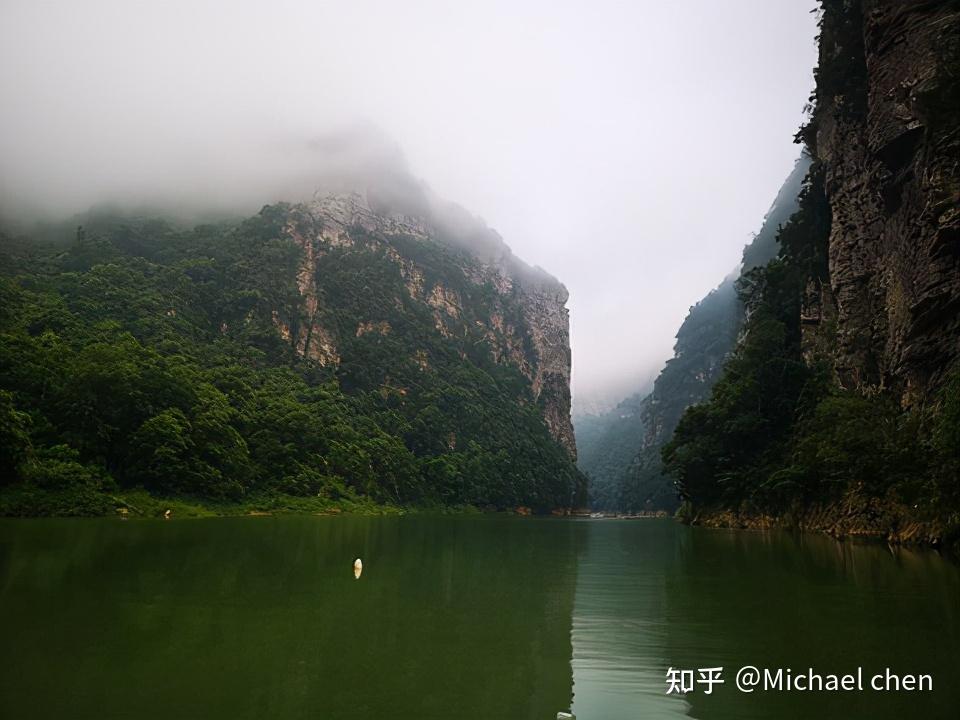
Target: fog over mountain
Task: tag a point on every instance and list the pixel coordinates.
(634, 168)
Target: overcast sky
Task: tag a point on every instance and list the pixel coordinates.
(628, 147)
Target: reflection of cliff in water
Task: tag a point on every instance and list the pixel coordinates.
(620, 621)
(654, 594)
(253, 618)
(779, 600)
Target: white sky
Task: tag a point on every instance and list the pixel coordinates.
(630, 148)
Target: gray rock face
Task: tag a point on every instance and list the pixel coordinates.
(546, 314)
(893, 183)
(528, 327)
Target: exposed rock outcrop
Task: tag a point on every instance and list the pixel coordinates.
(887, 138)
(526, 324)
(853, 516)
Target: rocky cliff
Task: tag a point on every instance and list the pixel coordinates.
(523, 323)
(885, 131)
(838, 410)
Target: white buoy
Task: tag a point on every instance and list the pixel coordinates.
(357, 568)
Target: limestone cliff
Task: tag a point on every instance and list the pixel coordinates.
(517, 313)
(839, 407)
(886, 135)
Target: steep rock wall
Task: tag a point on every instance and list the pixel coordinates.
(523, 318)
(887, 138)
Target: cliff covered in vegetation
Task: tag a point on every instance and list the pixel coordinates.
(840, 406)
(607, 446)
(337, 350)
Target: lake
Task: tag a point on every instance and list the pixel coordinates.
(489, 617)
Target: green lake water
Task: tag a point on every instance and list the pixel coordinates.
(497, 618)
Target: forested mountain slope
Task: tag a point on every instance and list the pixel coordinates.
(607, 445)
(325, 350)
(622, 456)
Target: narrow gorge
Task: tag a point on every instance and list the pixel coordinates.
(821, 388)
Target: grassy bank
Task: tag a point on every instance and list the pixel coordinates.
(25, 501)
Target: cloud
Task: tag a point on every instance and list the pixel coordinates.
(628, 148)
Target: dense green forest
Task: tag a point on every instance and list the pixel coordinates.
(140, 357)
(793, 423)
(606, 447)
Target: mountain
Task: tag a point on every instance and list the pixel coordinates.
(380, 347)
(620, 450)
(607, 445)
(839, 408)
(475, 289)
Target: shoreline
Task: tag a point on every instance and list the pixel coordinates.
(22, 502)
(852, 518)
(32, 502)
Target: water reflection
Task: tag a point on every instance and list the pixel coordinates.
(652, 595)
(258, 618)
(621, 621)
(456, 617)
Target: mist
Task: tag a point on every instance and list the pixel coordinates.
(630, 149)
